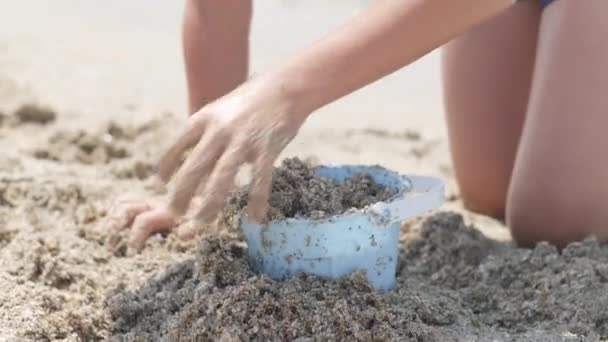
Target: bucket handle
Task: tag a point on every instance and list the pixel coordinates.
(425, 194)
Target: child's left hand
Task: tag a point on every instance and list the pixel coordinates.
(130, 221)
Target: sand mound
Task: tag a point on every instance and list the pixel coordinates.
(296, 191)
(453, 284)
(60, 282)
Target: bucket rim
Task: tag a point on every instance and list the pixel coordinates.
(414, 186)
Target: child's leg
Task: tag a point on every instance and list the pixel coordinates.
(216, 47)
(560, 181)
(487, 75)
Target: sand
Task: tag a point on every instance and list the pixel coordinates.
(453, 285)
(60, 281)
(100, 80)
(55, 267)
(296, 191)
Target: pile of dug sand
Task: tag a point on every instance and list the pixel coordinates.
(453, 285)
(296, 191)
(60, 282)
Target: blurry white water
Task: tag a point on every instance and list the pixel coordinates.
(135, 44)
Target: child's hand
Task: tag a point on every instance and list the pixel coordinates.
(250, 125)
(131, 220)
(253, 125)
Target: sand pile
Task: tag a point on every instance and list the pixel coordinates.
(453, 285)
(60, 282)
(297, 192)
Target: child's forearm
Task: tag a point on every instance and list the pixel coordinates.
(386, 37)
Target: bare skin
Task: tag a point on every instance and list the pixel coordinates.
(545, 177)
(487, 76)
(253, 123)
(560, 180)
(533, 159)
(216, 48)
(256, 121)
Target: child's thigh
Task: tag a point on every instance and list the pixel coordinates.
(487, 74)
(560, 182)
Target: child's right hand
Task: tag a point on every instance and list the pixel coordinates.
(252, 124)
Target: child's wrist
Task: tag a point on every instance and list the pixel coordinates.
(306, 92)
(292, 94)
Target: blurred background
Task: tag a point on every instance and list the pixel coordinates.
(111, 56)
(94, 62)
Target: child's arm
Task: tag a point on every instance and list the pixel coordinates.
(256, 121)
(388, 36)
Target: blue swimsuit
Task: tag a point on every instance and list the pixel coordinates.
(545, 3)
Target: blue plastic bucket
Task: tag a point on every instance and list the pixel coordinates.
(366, 239)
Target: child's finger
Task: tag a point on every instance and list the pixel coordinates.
(172, 157)
(188, 231)
(146, 224)
(123, 215)
(196, 169)
(259, 192)
(221, 182)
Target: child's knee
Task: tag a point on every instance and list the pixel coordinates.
(489, 201)
(534, 218)
(527, 229)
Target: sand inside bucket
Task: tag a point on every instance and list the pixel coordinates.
(298, 192)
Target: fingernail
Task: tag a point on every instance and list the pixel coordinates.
(132, 251)
(258, 218)
(187, 231)
(201, 219)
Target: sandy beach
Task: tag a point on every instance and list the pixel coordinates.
(89, 92)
